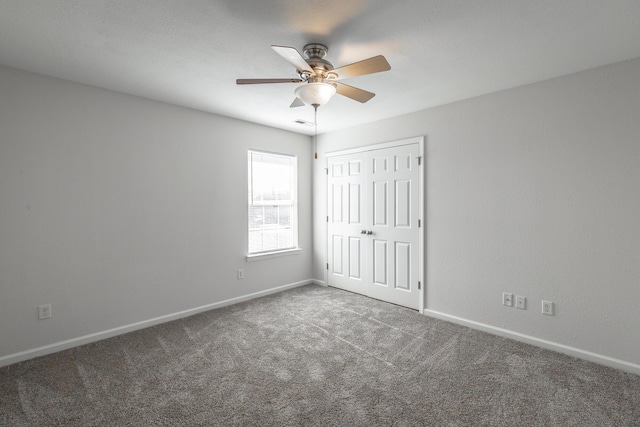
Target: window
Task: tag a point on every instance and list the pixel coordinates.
(273, 210)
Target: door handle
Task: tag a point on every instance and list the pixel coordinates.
(369, 232)
(363, 232)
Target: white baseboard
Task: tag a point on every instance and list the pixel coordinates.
(86, 339)
(319, 282)
(549, 345)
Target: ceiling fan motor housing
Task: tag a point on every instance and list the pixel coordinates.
(315, 50)
(314, 56)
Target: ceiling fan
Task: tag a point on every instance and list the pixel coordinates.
(320, 78)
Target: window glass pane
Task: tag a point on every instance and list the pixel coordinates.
(273, 176)
(255, 241)
(272, 202)
(285, 239)
(284, 216)
(256, 217)
(270, 216)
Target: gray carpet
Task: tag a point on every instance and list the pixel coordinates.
(314, 356)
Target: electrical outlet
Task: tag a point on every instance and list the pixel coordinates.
(547, 308)
(240, 274)
(507, 299)
(44, 311)
(521, 302)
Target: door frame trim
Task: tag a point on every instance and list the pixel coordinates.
(421, 237)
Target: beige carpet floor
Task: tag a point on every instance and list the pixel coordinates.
(314, 356)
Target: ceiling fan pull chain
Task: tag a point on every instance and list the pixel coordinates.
(315, 130)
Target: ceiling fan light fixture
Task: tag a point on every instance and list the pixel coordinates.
(315, 93)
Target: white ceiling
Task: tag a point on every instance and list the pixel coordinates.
(190, 52)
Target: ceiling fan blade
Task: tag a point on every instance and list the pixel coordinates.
(261, 81)
(367, 66)
(354, 93)
(293, 57)
(296, 103)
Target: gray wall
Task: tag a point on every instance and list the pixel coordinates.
(534, 191)
(117, 210)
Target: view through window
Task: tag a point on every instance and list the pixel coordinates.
(273, 211)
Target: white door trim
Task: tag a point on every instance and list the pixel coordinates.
(421, 242)
(416, 140)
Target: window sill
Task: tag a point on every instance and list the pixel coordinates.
(265, 255)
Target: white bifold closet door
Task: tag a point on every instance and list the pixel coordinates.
(373, 223)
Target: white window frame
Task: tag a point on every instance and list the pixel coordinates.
(294, 248)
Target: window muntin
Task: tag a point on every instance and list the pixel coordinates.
(273, 208)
